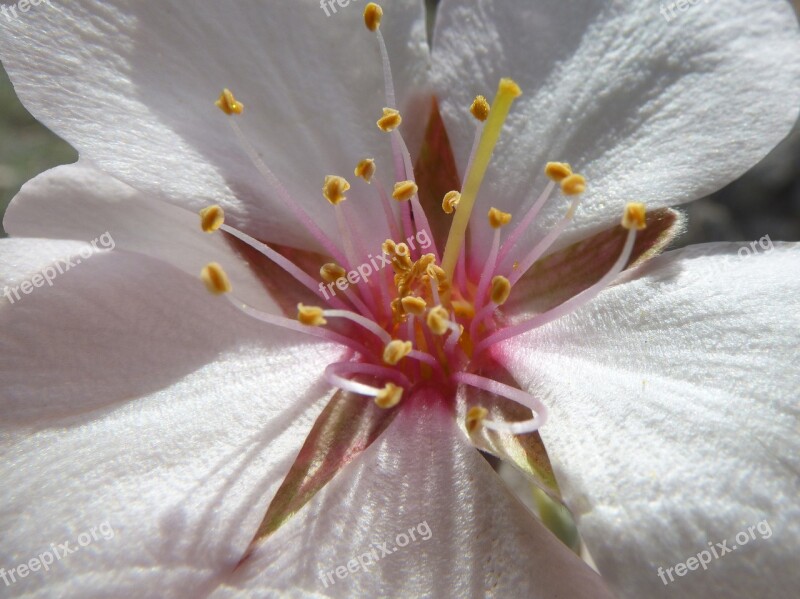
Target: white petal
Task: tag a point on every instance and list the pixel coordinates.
(81, 203)
(132, 86)
(674, 419)
(130, 399)
(471, 537)
(661, 112)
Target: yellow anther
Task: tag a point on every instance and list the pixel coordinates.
(450, 201)
(390, 120)
(557, 171)
(463, 308)
(331, 272)
(437, 273)
(389, 396)
(425, 261)
(501, 288)
(334, 189)
(228, 104)
(211, 218)
(635, 216)
(497, 218)
(401, 249)
(573, 185)
(414, 305)
(395, 351)
(401, 264)
(480, 108)
(438, 320)
(404, 191)
(373, 14)
(310, 315)
(366, 169)
(216, 280)
(475, 416)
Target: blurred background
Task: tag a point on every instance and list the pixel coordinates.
(765, 201)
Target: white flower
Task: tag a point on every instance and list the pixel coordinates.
(134, 397)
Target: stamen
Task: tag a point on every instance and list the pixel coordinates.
(575, 302)
(373, 14)
(404, 191)
(450, 201)
(477, 415)
(498, 219)
(501, 289)
(366, 169)
(396, 350)
(557, 171)
(414, 305)
(331, 272)
(634, 217)
(480, 108)
(389, 396)
(573, 185)
(211, 218)
(506, 93)
(228, 104)
(334, 189)
(390, 120)
(437, 274)
(311, 315)
(216, 280)
(438, 320)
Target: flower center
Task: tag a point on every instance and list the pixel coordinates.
(411, 317)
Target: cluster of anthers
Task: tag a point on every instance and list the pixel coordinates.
(429, 320)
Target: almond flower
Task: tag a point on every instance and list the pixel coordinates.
(456, 283)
